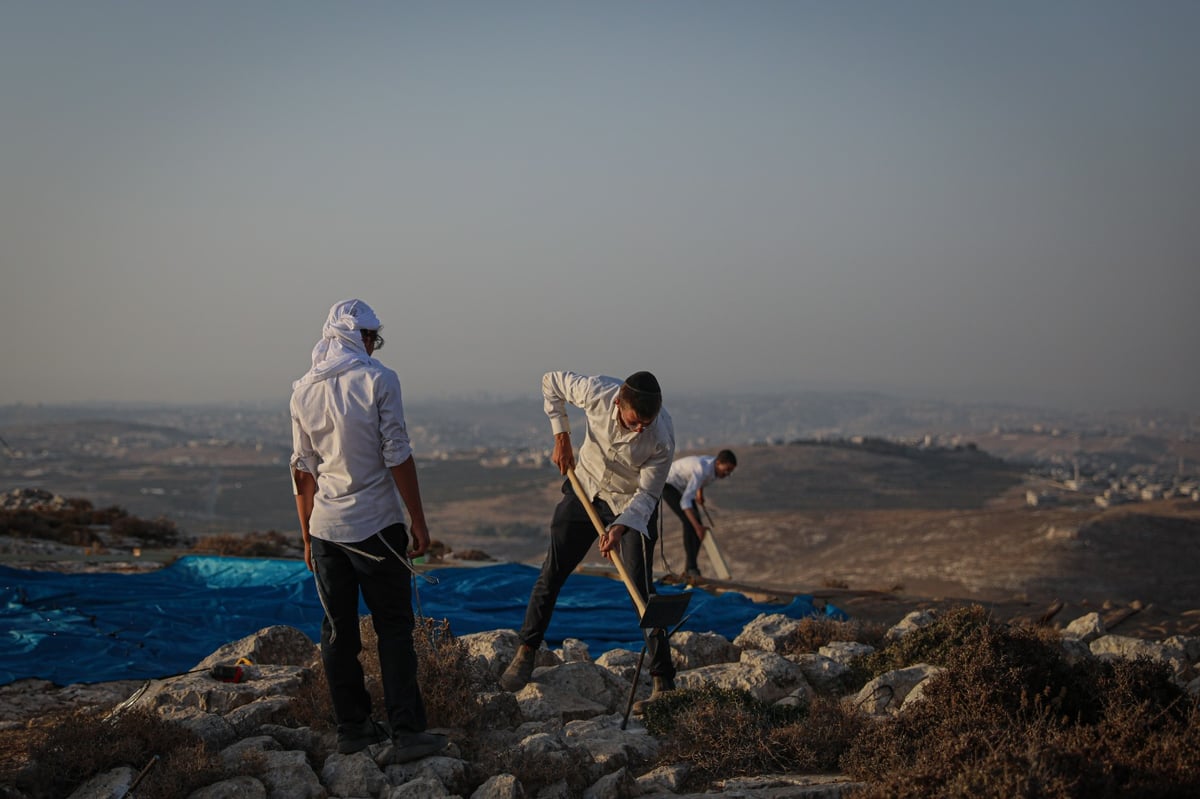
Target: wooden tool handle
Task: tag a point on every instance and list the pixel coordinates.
(599, 525)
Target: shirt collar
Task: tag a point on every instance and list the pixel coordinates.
(619, 431)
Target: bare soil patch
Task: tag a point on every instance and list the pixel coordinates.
(880, 532)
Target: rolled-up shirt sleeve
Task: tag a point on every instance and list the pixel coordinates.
(394, 441)
(304, 456)
(688, 498)
(560, 388)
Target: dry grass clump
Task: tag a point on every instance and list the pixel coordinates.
(725, 733)
(1010, 717)
(65, 750)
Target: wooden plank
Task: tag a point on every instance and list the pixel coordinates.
(714, 555)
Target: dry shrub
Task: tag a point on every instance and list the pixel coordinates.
(818, 742)
(17, 745)
(181, 771)
(436, 551)
(1010, 717)
(311, 705)
(448, 676)
(76, 524)
(994, 664)
(1039, 757)
(931, 644)
(472, 554)
(814, 632)
(724, 733)
(445, 672)
(980, 761)
(270, 544)
(160, 532)
(70, 748)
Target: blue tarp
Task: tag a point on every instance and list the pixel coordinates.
(70, 628)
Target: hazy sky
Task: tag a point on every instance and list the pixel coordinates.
(980, 201)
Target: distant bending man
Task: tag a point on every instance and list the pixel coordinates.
(685, 490)
(623, 464)
(351, 465)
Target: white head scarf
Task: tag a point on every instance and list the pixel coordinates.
(341, 345)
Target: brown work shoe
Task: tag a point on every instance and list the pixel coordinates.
(662, 685)
(520, 670)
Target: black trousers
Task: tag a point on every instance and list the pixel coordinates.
(571, 536)
(342, 570)
(691, 542)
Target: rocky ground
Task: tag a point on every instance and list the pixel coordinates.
(1134, 564)
(1133, 567)
(571, 713)
(876, 536)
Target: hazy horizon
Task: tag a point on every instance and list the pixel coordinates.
(967, 202)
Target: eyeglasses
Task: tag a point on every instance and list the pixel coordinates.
(374, 338)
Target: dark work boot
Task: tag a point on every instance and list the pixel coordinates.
(409, 746)
(662, 685)
(520, 670)
(353, 738)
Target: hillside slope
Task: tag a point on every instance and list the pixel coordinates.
(900, 528)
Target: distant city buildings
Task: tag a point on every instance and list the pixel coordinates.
(226, 466)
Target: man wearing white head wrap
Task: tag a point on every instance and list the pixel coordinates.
(351, 466)
(341, 345)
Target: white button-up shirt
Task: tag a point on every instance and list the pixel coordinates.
(690, 474)
(624, 468)
(348, 431)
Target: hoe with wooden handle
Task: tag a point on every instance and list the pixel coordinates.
(661, 611)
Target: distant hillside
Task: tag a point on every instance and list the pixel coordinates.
(223, 468)
(466, 423)
(813, 475)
